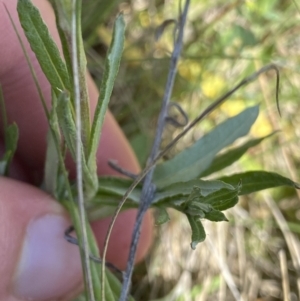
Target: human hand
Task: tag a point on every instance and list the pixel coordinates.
(36, 261)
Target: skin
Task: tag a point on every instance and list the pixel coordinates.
(20, 202)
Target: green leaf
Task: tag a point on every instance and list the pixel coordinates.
(43, 46)
(253, 181)
(222, 199)
(198, 232)
(191, 162)
(231, 156)
(216, 216)
(111, 69)
(63, 17)
(182, 189)
(161, 216)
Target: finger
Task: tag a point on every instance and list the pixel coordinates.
(36, 262)
(24, 107)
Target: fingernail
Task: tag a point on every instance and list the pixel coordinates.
(49, 266)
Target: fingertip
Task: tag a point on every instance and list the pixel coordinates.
(36, 262)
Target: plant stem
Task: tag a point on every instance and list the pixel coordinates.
(79, 179)
(148, 189)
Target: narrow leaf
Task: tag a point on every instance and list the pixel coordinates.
(231, 156)
(111, 69)
(253, 181)
(198, 232)
(43, 45)
(191, 162)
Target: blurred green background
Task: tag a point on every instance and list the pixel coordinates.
(224, 42)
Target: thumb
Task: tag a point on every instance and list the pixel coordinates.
(36, 262)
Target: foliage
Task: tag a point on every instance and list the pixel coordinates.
(179, 181)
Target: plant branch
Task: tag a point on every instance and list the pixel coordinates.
(148, 189)
(206, 112)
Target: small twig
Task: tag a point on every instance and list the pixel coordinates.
(79, 180)
(115, 166)
(162, 153)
